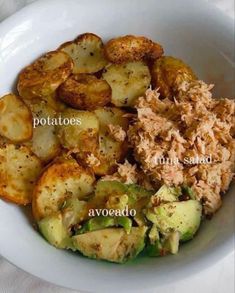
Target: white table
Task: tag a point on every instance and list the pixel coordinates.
(216, 279)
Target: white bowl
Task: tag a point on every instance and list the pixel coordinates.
(192, 30)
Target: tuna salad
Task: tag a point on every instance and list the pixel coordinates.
(169, 136)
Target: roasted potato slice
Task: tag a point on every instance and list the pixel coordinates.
(19, 169)
(87, 53)
(168, 73)
(131, 48)
(110, 151)
(54, 102)
(44, 143)
(15, 119)
(128, 82)
(4, 141)
(85, 92)
(83, 134)
(43, 77)
(62, 180)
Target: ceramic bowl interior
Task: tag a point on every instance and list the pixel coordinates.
(191, 30)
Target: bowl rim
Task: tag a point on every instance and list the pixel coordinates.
(196, 267)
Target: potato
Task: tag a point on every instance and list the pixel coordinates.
(44, 143)
(3, 141)
(85, 92)
(87, 53)
(43, 77)
(19, 169)
(128, 82)
(110, 151)
(111, 115)
(54, 102)
(83, 135)
(168, 73)
(15, 119)
(62, 180)
(131, 48)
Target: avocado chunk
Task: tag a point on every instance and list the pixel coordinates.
(111, 244)
(54, 231)
(171, 244)
(117, 202)
(166, 194)
(139, 198)
(153, 234)
(154, 246)
(154, 249)
(101, 222)
(187, 192)
(74, 211)
(131, 195)
(124, 222)
(96, 223)
(184, 217)
(107, 192)
(164, 246)
(104, 189)
(136, 192)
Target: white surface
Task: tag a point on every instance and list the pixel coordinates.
(219, 278)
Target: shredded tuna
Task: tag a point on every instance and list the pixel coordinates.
(117, 132)
(166, 133)
(126, 173)
(92, 161)
(130, 174)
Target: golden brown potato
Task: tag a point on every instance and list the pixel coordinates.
(3, 141)
(131, 48)
(44, 143)
(54, 102)
(80, 132)
(168, 73)
(128, 82)
(43, 77)
(110, 151)
(85, 92)
(15, 119)
(87, 53)
(62, 180)
(19, 170)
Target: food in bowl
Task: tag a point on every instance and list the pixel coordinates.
(119, 149)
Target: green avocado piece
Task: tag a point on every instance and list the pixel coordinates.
(107, 188)
(154, 249)
(153, 234)
(154, 246)
(136, 192)
(124, 222)
(74, 211)
(167, 194)
(162, 247)
(106, 192)
(101, 222)
(138, 197)
(188, 192)
(96, 223)
(54, 231)
(117, 202)
(184, 217)
(171, 244)
(104, 189)
(111, 244)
